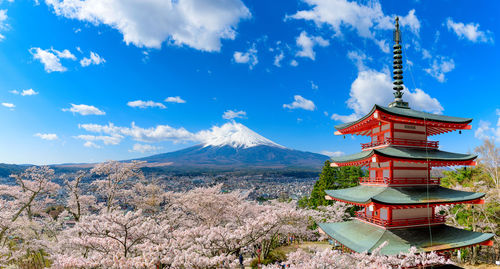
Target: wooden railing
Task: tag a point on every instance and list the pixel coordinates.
(399, 181)
(401, 222)
(401, 142)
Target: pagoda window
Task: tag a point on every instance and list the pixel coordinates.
(384, 214)
(379, 165)
(398, 214)
(368, 212)
(386, 127)
(410, 173)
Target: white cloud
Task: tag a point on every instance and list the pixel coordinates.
(278, 58)
(175, 99)
(50, 61)
(373, 87)
(106, 139)
(469, 31)
(440, 66)
(8, 105)
(3, 24)
(367, 19)
(358, 58)
(143, 148)
(65, 54)
(200, 24)
(145, 104)
(47, 136)
(51, 58)
(345, 118)
(300, 102)
(307, 44)
(94, 58)
(411, 21)
(294, 63)
(90, 144)
(314, 86)
(28, 92)
(153, 134)
(485, 131)
(230, 114)
(84, 110)
(426, 54)
(249, 57)
(332, 153)
(421, 100)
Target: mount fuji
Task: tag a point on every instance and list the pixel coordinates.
(234, 145)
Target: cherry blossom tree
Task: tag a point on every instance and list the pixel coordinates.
(489, 159)
(113, 185)
(111, 240)
(314, 259)
(24, 223)
(78, 203)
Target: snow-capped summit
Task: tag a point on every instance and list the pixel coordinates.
(235, 135)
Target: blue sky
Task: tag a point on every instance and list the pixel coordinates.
(86, 81)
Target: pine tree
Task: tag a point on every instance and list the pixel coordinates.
(332, 178)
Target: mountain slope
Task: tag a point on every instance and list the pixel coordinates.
(226, 156)
(235, 145)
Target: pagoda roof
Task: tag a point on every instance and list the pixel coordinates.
(360, 236)
(415, 195)
(408, 113)
(441, 123)
(396, 152)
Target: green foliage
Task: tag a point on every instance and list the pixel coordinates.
(480, 218)
(331, 178)
(464, 176)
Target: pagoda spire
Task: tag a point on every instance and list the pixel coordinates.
(398, 70)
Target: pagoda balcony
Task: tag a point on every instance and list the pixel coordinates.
(399, 181)
(394, 223)
(401, 142)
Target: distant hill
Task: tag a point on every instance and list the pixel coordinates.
(7, 169)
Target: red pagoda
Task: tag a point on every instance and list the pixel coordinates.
(399, 197)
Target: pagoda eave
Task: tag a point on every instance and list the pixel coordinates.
(437, 124)
(432, 157)
(431, 163)
(378, 204)
(360, 236)
(403, 196)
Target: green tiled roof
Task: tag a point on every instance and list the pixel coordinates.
(402, 195)
(360, 237)
(407, 153)
(409, 113)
